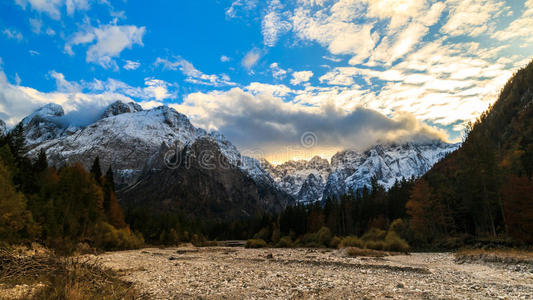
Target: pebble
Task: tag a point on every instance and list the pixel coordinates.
(209, 273)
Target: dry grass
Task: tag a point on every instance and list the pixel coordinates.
(358, 252)
(496, 255)
(61, 277)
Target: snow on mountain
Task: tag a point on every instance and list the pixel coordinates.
(351, 170)
(291, 176)
(44, 124)
(125, 138)
(119, 107)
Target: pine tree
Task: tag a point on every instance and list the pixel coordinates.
(41, 163)
(96, 171)
(17, 141)
(109, 179)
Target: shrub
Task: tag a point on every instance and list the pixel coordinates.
(108, 237)
(263, 234)
(395, 243)
(376, 245)
(355, 252)
(285, 242)
(400, 227)
(255, 243)
(335, 242)
(374, 234)
(351, 241)
(324, 236)
(309, 240)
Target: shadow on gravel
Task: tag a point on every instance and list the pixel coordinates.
(342, 264)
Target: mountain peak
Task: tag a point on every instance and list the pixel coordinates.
(119, 107)
(48, 111)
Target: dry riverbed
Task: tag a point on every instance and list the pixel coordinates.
(238, 273)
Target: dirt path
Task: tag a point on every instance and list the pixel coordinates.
(237, 273)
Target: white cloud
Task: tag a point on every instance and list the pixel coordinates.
(336, 31)
(34, 53)
(519, 28)
(107, 42)
(17, 101)
(53, 7)
(224, 58)
(251, 58)
(274, 23)
(131, 65)
(471, 17)
(157, 89)
(277, 72)
(398, 11)
(389, 51)
(50, 31)
(268, 122)
(36, 25)
(301, 76)
(13, 34)
(192, 74)
(240, 6)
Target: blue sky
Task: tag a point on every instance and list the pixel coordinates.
(352, 72)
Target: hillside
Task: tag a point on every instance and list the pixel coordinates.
(484, 189)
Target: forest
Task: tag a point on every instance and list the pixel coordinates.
(481, 193)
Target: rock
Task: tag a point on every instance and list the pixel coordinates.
(270, 256)
(400, 285)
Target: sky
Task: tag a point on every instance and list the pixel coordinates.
(285, 79)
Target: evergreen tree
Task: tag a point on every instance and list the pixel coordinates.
(17, 141)
(96, 170)
(109, 179)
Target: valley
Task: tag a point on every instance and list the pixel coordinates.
(237, 273)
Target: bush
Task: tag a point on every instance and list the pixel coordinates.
(335, 242)
(400, 227)
(324, 236)
(285, 242)
(375, 245)
(374, 234)
(356, 252)
(395, 243)
(263, 234)
(309, 240)
(351, 241)
(255, 243)
(108, 237)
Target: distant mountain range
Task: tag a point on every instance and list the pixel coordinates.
(136, 143)
(313, 180)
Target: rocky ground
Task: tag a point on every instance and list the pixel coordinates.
(238, 273)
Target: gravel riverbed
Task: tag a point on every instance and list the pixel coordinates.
(238, 273)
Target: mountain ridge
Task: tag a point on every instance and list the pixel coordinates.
(144, 132)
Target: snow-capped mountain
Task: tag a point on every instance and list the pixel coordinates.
(125, 137)
(351, 170)
(44, 124)
(291, 176)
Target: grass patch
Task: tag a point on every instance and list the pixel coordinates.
(351, 241)
(255, 243)
(512, 256)
(62, 277)
(357, 252)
